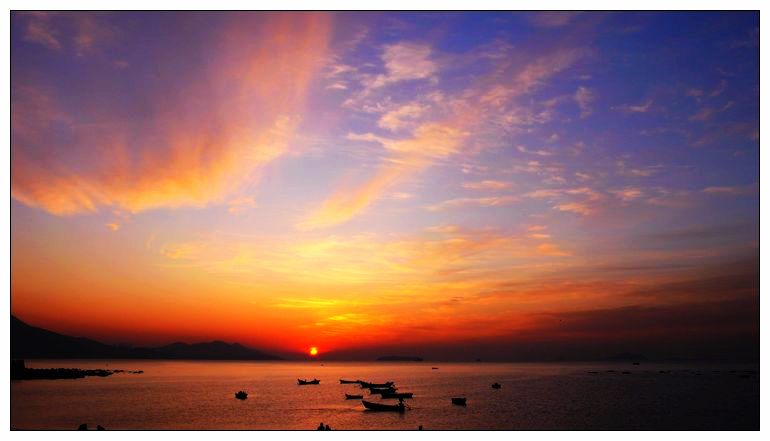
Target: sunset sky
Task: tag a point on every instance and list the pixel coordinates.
(447, 184)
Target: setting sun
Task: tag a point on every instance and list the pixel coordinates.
(314, 351)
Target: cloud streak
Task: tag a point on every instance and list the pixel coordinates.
(193, 157)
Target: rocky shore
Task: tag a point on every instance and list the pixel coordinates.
(20, 372)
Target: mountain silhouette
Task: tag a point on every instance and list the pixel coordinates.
(32, 342)
(215, 350)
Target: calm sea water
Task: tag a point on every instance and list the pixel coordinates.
(199, 395)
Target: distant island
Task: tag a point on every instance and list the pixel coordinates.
(399, 358)
(30, 342)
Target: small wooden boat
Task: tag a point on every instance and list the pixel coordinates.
(365, 384)
(350, 381)
(387, 390)
(306, 382)
(384, 407)
(434, 368)
(460, 401)
(397, 395)
(353, 397)
(241, 395)
(496, 386)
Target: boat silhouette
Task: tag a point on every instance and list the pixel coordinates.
(397, 394)
(387, 390)
(365, 384)
(384, 407)
(460, 401)
(306, 382)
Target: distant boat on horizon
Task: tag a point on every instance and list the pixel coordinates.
(460, 401)
(350, 381)
(306, 382)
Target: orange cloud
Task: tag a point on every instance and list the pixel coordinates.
(549, 249)
(188, 155)
(492, 201)
(344, 204)
(486, 185)
(429, 142)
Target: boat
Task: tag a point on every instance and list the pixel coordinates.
(384, 407)
(387, 390)
(365, 384)
(397, 395)
(241, 395)
(350, 381)
(434, 368)
(460, 401)
(496, 386)
(306, 382)
(353, 397)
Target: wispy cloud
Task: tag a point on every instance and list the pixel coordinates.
(486, 185)
(702, 114)
(738, 190)
(628, 194)
(635, 108)
(584, 98)
(538, 152)
(194, 158)
(552, 19)
(492, 201)
(402, 116)
(40, 29)
(404, 61)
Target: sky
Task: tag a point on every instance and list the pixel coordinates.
(452, 185)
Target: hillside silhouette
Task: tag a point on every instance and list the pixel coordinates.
(28, 341)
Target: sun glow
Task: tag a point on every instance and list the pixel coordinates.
(314, 351)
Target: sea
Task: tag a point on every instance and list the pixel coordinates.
(199, 395)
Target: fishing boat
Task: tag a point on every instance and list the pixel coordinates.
(397, 395)
(460, 401)
(365, 384)
(350, 381)
(384, 407)
(496, 386)
(387, 390)
(306, 382)
(434, 368)
(241, 395)
(353, 397)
